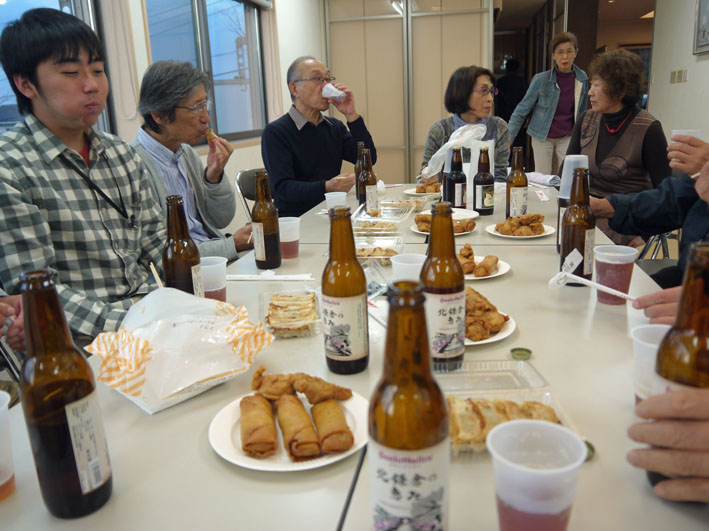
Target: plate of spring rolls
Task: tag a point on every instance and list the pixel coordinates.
(288, 434)
(486, 269)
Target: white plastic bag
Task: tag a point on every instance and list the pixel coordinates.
(173, 346)
(464, 137)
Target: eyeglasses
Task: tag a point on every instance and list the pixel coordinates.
(319, 79)
(564, 53)
(485, 91)
(198, 108)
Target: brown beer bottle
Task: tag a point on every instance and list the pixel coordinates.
(368, 181)
(484, 186)
(455, 185)
(344, 300)
(683, 354)
(264, 225)
(444, 283)
(180, 256)
(578, 229)
(516, 201)
(359, 166)
(61, 407)
(408, 423)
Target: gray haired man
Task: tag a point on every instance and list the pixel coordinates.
(175, 110)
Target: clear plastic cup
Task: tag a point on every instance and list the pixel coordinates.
(614, 268)
(689, 132)
(214, 277)
(406, 266)
(333, 199)
(571, 162)
(289, 229)
(646, 340)
(7, 469)
(535, 465)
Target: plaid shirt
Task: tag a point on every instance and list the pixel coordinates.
(50, 218)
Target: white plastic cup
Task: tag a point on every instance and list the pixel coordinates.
(689, 132)
(614, 268)
(406, 266)
(289, 229)
(535, 465)
(571, 162)
(7, 469)
(214, 277)
(646, 340)
(333, 199)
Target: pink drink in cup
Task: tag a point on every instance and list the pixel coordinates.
(535, 465)
(214, 277)
(289, 229)
(614, 268)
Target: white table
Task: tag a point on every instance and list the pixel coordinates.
(166, 475)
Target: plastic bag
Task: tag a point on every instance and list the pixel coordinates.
(172, 346)
(463, 136)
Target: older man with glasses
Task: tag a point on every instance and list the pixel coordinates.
(303, 150)
(175, 110)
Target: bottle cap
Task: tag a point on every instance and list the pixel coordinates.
(521, 353)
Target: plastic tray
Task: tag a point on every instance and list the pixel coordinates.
(313, 325)
(496, 375)
(385, 241)
(394, 214)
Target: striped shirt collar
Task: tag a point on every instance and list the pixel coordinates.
(300, 120)
(159, 152)
(51, 147)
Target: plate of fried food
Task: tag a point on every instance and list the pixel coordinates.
(272, 430)
(424, 189)
(526, 226)
(483, 322)
(461, 225)
(479, 267)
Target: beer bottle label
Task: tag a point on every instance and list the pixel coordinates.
(197, 285)
(372, 200)
(259, 243)
(589, 241)
(445, 320)
(409, 489)
(662, 385)
(89, 442)
(345, 327)
(518, 201)
(484, 196)
(459, 197)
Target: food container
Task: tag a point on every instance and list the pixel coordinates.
(378, 247)
(290, 320)
(377, 279)
(387, 222)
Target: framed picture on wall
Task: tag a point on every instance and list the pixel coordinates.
(701, 30)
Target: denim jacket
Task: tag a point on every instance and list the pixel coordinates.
(541, 100)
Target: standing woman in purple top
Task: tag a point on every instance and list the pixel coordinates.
(555, 99)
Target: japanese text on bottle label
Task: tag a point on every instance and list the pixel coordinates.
(588, 251)
(484, 196)
(445, 319)
(89, 442)
(345, 327)
(197, 284)
(409, 489)
(518, 201)
(459, 195)
(259, 244)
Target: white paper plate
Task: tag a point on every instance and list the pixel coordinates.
(506, 331)
(412, 191)
(547, 231)
(502, 268)
(414, 229)
(225, 438)
(459, 213)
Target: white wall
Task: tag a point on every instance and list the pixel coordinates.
(300, 32)
(678, 105)
(615, 33)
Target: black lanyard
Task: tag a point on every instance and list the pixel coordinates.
(122, 210)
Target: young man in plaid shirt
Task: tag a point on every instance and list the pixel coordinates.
(72, 200)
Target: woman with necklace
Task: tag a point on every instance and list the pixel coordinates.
(469, 98)
(626, 147)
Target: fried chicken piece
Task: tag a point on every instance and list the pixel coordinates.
(536, 228)
(475, 329)
(528, 219)
(318, 390)
(458, 227)
(508, 226)
(494, 321)
(271, 386)
(467, 251)
(423, 222)
(481, 316)
(523, 231)
(476, 302)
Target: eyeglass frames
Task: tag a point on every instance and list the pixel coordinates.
(319, 79)
(484, 91)
(198, 108)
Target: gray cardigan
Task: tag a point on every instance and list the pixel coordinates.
(216, 205)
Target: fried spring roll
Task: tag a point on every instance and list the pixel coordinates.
(299, 436)
(333, 432)
(486, 267)
(258, 428)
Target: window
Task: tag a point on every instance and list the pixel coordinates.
(222, 38)
(12, 10)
